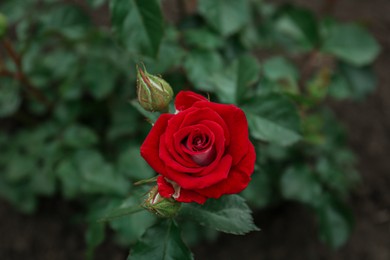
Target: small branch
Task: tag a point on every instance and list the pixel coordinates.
(20, 76)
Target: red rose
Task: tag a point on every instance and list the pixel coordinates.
(203, 151)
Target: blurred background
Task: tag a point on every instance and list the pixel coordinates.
(70, 133)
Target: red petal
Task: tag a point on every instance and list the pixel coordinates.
(164, 188)
(185, 155)
(219, 173)
(237, 124)
(188, 118)
(150, 147)
(191, 196)
(185, 99)
(170, 161)
(237, 180)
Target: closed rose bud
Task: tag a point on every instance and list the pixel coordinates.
(162, 207)
(154, 93)
(3, 25)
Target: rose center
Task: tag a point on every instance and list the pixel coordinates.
(200, 142)
(200, 147)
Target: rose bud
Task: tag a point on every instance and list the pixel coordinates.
(3, 25)
(162, 207)
(154, 93)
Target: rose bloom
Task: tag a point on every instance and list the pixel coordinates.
(203, 151)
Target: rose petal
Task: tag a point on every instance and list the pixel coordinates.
(166, 190)
(185, 99)
(205, 157)
(171, 162)
(237, 124)
(150, 147)
(181, 153)
(188, 196)
(206, 154)
(190, 117)
(187, 181)
(219, 146)
(196, 115)
(238, 179)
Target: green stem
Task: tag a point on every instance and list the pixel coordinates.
(121, 212)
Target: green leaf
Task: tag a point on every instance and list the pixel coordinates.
(119, 209)
(279, 69)
(296, 28)
(129, 227)
(124, 120)
(232, 84)
(273, 118)
(19, 196)
(335, 222)
(70, 21)
(250, 37)
(98, 175)
(121, 212)
(69, 177)
(352, 82)
(259, 191)
(200, 65)
(94, 236)
(161, 242)
(99, 77)
(300, 183)
(132, 227)
(203, 39)
(226, 16)
(351, 43)
(139, 23)
(78, 136)
(228, 214)
(96, 3)
(170, 55)
(9, 97)
(133, 165)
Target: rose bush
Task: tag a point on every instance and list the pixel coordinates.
(202, 151)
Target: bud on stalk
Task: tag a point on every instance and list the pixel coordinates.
(162, 207)
(154, 93)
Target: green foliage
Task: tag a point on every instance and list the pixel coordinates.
(273, 118)
(296, 28)
(352, 81)
(162, 241)
(351, 43)
(139, 25)
(3, 25)
(94, 236)
(300, 184)
(69, 126)
(226, 16)
(335, 222)
(228, 214)
(9, 97)
(231, 84)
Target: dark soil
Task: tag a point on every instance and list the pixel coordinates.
(288, 232)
